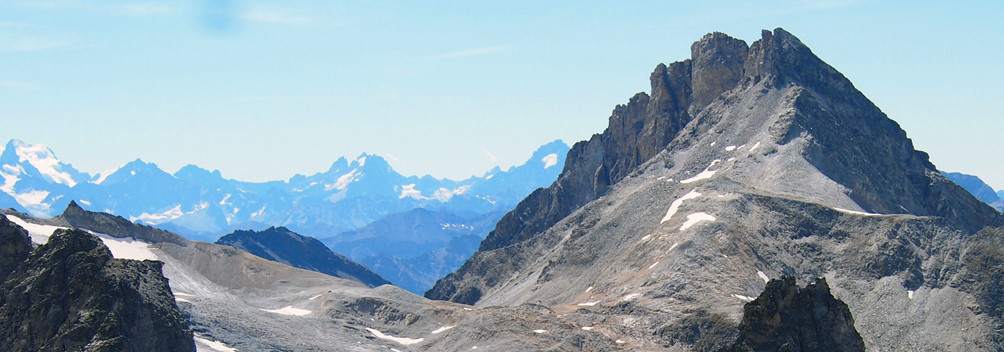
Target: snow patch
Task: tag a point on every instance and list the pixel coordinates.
(39, 233)
(45, 162)
(706, 174)
(540, 331)
(443, 194)
(214, 345)
(409, 191)
(104, 175)
(444, 328)
(31, 198)
(401, 340)
(619, 342)
(673, 246)
(9, 180)
(754, 146)
(631, 296)
(743, 298)
(315, 297)
(257, 213)
(550, 160)
(853, 212)
(587, 304)
(126, 247)
(342, 181)
(762, 276)
(673, 207)
(122, 248)
(587, 328)
(695, 218)
(157, 218)
(590, 288)
(224, 201)
(361, 161)
(288, 310)
(646, 237)
(653, 265)
(909, 294)
(730, 148)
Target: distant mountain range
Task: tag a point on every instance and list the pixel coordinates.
(411, 230)
(201, 204)
(978, 188)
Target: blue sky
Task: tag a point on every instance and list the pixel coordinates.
(263, 90)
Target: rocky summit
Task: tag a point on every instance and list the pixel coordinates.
(745, 163)
(71, 295)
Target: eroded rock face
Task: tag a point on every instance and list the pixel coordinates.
(15, 245)
(786, 318)
(71, 295)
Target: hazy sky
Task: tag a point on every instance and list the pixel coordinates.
(265, 90)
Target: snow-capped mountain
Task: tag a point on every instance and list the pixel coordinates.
(201, 204)
(34, 177)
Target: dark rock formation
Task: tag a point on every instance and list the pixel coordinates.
(71, 295)
(15, 245)
(287, 247)
(786, 318)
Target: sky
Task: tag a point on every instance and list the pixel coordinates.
(263, 90)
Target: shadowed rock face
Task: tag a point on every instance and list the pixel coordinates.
(786, 318)
(15, 245)
(287, 247)
(71, 295)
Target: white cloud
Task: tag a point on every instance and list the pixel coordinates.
(488, 50)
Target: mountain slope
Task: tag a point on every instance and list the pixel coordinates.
(774, 165)
(287, 247)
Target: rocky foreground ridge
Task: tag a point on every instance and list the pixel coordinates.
(71, 295)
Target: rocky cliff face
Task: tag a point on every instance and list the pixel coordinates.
(287, 247)
(775, 92)
(71, 295)
(786, 318)
(786, 170)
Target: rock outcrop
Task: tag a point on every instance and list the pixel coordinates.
(786, 318)
(71, 295)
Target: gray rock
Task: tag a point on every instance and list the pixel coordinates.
(786, 318)
(71, 295)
